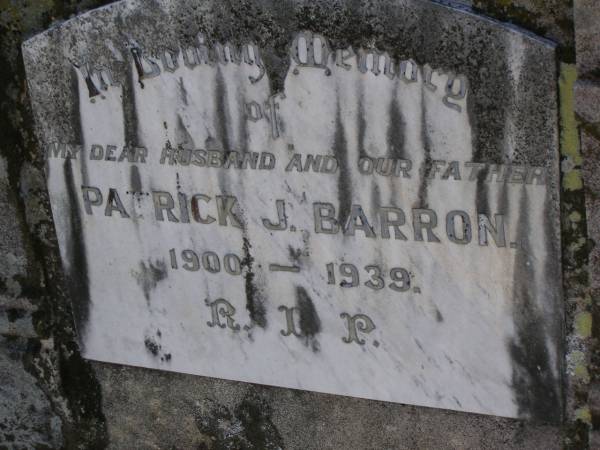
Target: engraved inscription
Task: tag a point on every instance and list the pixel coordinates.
(355, 215)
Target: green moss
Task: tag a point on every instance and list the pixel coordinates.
(575, 262)
(569, 139)
(572, 180)
(583, 324)
(584, 414)
(573, 202)
(575, 217)
(578, 364)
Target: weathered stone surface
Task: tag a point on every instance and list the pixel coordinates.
(595, 439)
(13, 262)
(550, 18)
(587, 99)
(594, 398)
(478, 328)
(48, 397)
(591, 176)
(587, 36)
(27, 420)
(590, 148)
(153, 409)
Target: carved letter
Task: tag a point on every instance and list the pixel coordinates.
(363, 57)
(143, 71)
(271, 108)
(282, 219)
(253, 111)
(451, 95)
(427, 74)
(419, 225)
(343, 55)
(225, 205)
(497, 230)
(222, 308)
(254, 59)
(295, 163)
(196, 209)
(356, 212)
(169, 59)
(387, 222)
(325, 213)
(163, 201)
(465, 234)
(414, 71)
(96, 78)
(202, 51)
(87, 202)
(190, 56)
(307, 48)
(113, 203)
(289, 318)
(356, 323)
(56, 150)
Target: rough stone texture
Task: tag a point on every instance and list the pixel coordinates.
(550, 18)
(15, 319)
(595, 439)
(48, 396)
(130, 394)
(575, 262)
(227, 415)
(591, 175)
(590, 147)
(594, 398)
(587, 99)
(587, 36)
(27, 419)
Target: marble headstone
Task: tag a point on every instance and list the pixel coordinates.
(356, 200)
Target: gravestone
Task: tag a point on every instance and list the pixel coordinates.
(300, 201)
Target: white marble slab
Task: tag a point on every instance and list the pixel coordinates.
(187, 267)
